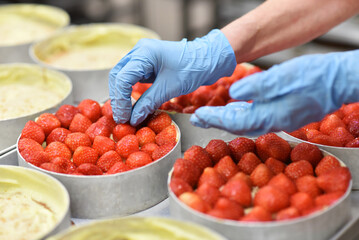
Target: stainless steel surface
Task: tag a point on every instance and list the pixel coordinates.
(11, 128)
(118, 194)
(9, 158)
(318, 226)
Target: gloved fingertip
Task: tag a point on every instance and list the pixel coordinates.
(245, 89)
(196, 121)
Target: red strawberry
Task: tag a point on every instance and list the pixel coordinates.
(122, 130)
(227, 209)
(243, 176)
(335, 180)
(76, 139)
(33, 131)
(257, 214)
(325, 140)
(339, 113)
(145, 135)
(179, 186)
(107, 121)
(159, 121)
(103, 144)
(208, 193)
(89, 169)
(162, 151)
(194, 201)
(48, 122)
(150, 148)
(342, 135)
(138, 159)
(65, 114)
(325, 200)
(308, 184)
(271, 199)
(106, 109)
(171, 107)
(98, 130)
(183, 100)
(216, 100)
(283, 183)
(239, 191)
(84, 154)
(350, 108)
(306, 151)
(107, 160)
(353, 127)
(118, 167)
(312, 125)
(189, 109)
(67, 165)
(248, 162)
(353, 143)
(299, 169)
(90, 108)
(52, 167)
(352, 116)
(271, 145)
(201, 96)
(312, 210)
(187, 171)
(275, 165)
(25, 143)
(222, 92)
(217, 149)
(287, 213)
(57, 135)
(239, 146)
(58, 149)
(79, 123)
(198, 156)
(311, 133)
(329, 123)
(127, 145)
(326, 164)
(302, 201)
(167, 135)
(300, 133)
(226, 167)
(212, 177)
(34, 156)
(261, 175)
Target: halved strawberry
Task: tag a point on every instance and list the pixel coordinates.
(271, 199)
(271, 145)
(76, 139)
(217, 149)
(33, 131)
(122, 130)
(65, 114)
(103, 144)
(84, 154)
(127, 145)
(90, 108)
(79, 123)
(107, 160)
(198, 156)
(89, 169)
(138, 159)
(239, 146)
(57, 135)
(179, 186)
(58, 149)
(248, 162)
(48, 122)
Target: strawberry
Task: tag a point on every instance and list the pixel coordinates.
(167, 135)
(222, 92)
(67, 165)
(239, 146)
(217, 149)
(339, 113)
(189, 109)
(183, 100)
(103, 144)
(325, 200)
(198, 156)
(350, 108)
(308, 184)
(58, 149)
(212, 177)
(261, 175)
(34, 156)
(226, 209)
(89, 169)
(162, 151)
(300, 133)
(350, 117)
(118, 167)
(84, 154)
(239, 191)
(106, 109)
(90, 108)
(208, 193)
(107, 121)
(353, 127)
(311, 133)
(283, 183)
(325, 140)
(216, 100)
(342, 135)
(354, 143)
(127, 145)
(52, 167)
(179, 186)
(248, 163)
(48, 122)
(312, 125)
(79, 123)
(29, 143)
(287, 213)
(98, 130)
(334, 180)
(312, 210)
(122, 130)
(187, 171)
(271, 145)
(226, 167)
(65, 114)
(150, 148)
(33, 131)
(138, 159)
(243, 176)
(76, 139)
(257, 214)
(329, 123)
(145, 135)
(201, 96)
(57, 135)
(299, 169)
(159, 121)
(172, 107)
(141, 87)
(326, 164)
(306, 151)
(107, 160)
(194, 201)
(275, 165)
(271, 199)
(302, 201)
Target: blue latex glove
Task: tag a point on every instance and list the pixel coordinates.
(175, 68)
(287, 96)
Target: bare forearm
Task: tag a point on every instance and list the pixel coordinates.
(279, 24)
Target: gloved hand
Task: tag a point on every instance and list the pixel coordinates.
(175, 68)
(287, 96)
